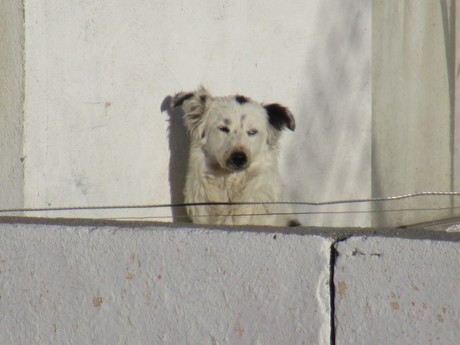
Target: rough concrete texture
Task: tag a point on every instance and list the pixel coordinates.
(111, 285)
(397, 291)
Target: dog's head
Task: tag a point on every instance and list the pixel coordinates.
(232, 131)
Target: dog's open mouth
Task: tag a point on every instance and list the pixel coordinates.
(237, 161)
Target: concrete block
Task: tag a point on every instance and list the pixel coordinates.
(161, 285)
(397, 291)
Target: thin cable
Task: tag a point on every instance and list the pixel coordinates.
(181, 205)
(292, 213)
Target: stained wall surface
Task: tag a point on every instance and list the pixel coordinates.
(397, 291)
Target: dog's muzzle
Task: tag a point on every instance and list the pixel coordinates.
(237, 161)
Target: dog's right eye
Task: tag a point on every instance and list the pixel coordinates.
(224, 129)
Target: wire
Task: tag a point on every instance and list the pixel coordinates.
(178, 217)
(304, 203)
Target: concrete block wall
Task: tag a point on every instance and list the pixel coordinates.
(113, 284)
(93, 282)
(397, 291)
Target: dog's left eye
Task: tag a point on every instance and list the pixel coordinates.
(224, 129)
(252, 132)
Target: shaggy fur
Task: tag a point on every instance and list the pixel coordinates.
(233, 158)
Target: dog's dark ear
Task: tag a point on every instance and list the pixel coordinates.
(193, 105)
(180, 98)
(280, 117)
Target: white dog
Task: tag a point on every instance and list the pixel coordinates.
(233, 159)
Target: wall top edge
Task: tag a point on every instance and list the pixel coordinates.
(337, 234)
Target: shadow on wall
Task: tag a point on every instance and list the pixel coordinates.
(179, 144)
(332, 146)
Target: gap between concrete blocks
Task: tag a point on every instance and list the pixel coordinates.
(332, 261)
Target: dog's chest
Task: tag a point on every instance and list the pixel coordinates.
(234, 187)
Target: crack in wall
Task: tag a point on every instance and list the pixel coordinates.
(333, 256)
(332, 288)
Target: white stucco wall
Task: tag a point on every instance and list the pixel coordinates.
(97, 73)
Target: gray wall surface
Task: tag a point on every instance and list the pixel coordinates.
(75, 281)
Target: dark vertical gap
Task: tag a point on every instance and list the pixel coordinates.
(453, 87)
(333, 257)
(451, 78)
(23, 107)
(448, 20)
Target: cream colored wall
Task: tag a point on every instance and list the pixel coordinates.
(96, 75)
(98, 72)
(11, 102)
(414, 111)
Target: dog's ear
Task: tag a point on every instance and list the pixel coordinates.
(193, 105)
(280, 117)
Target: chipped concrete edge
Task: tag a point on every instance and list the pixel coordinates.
(336, 234)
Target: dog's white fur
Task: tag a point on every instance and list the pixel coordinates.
(234, 145)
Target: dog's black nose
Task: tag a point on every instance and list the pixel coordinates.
(237, 160)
